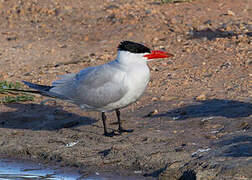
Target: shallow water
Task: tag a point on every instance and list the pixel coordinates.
(12, 169)
(20, 170)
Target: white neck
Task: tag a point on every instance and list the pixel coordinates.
(127, 58)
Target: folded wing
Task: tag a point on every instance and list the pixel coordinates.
(92, 87)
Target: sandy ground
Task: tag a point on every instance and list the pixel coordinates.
(195, 117)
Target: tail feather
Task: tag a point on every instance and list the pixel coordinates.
(43, 90)
(37, 86)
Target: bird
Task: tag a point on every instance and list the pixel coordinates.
(107, 87)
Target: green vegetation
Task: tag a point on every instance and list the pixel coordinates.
(8, 96)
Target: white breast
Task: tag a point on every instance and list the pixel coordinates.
(136, 80)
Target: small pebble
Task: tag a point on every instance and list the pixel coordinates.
(230, 13)
(201, 97)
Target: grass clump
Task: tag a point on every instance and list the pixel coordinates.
(8, 96)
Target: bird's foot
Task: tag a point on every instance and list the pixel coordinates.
(121, 130)
(111, 134)
(117, 133)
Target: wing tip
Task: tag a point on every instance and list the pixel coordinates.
(37, 86)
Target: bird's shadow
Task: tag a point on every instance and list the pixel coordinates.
(213, 34)
(40, 117)
(208, 108)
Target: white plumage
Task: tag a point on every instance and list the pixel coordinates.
(107, 87)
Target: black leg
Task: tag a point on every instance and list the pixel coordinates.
(120, 129)
(119, 119)
(104, 123)
(105, 126)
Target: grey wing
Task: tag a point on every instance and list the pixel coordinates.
(64, 88)
(93, 87)
(100, 86)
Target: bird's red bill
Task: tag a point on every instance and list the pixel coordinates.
(158, 54)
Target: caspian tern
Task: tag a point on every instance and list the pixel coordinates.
(107, 87)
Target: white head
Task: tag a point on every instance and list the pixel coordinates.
(130, 52)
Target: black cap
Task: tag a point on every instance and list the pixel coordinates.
(133, 47)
